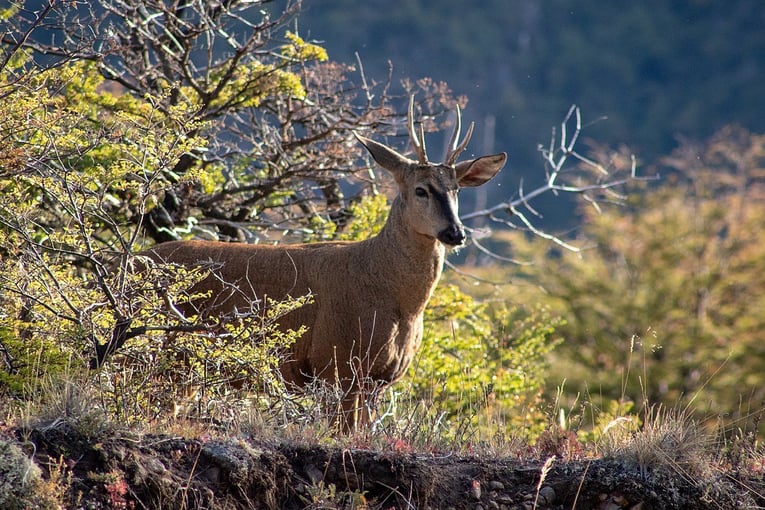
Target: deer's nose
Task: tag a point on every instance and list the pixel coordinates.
(453, 235)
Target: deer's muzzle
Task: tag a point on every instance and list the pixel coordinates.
(453, 235)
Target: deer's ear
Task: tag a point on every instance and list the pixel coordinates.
(386, 157)
(480, 170)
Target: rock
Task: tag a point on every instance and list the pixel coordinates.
(235, 463)
(475, 490)
(546, 496)
(155, 466)
(314, 474)
(496, 485)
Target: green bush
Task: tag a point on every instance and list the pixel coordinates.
(667, 303)
(485, 363)
(103, 156)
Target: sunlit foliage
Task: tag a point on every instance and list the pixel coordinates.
(104, 154)
(667, 304)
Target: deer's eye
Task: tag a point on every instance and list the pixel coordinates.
(421, 192)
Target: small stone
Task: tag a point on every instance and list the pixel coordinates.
(314, 474)
(155, 466)
(619, 499)
(496, 485)
(546, 495)
(475, 490)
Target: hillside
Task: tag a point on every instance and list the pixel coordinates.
(124, 469)
(598, 344)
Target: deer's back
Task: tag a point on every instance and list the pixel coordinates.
(355, 313)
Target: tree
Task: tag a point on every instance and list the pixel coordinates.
(126, 123)
(667, 303)
(274, 113)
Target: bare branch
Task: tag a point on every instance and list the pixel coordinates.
(560, 160)
(14, 44)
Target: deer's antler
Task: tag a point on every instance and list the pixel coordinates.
(418, 140)
(455, 150)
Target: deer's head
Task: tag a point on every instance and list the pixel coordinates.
(429, 190)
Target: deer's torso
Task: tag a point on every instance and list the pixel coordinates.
(365, 320)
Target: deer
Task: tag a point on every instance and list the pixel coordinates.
(365, 322)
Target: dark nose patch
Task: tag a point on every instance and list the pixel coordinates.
(453, 235)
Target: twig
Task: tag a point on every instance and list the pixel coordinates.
(556, 158)
(542, 477)
(15, 45)
(581, 483)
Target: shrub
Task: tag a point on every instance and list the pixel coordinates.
(666, 305)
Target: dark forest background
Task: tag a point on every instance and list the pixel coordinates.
(658, 71)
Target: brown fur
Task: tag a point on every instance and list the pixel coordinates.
(365, 323)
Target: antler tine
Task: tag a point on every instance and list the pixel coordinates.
(456, 134)
(455, 150)
(463, 144)
(418, 142)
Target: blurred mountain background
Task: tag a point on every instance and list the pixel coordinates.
(658, 71)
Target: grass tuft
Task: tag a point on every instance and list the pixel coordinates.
(669, 439)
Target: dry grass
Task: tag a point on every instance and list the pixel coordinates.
(668, 442)
(668, 439)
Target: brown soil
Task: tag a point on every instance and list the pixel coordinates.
(159, 471)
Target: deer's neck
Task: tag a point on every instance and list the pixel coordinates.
(411, 262)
